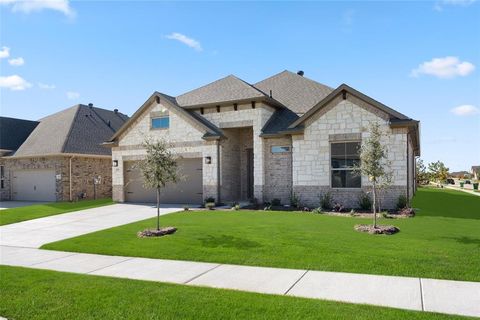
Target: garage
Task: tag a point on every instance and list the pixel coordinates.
(33, 185)
(186, 191)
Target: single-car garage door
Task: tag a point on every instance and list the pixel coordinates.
(187, 191)
(33, 185)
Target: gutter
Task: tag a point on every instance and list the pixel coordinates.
(70, 176)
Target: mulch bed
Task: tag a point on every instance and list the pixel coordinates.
(156, 233)
(388, 230)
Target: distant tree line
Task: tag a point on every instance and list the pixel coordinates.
(434, 171)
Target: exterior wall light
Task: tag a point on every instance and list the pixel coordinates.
(208, 160)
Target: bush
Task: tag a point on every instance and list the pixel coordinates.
(364, 201)
(276, 202)
(402, 202)
(294, 200)
(209, 200)
(318, 210)
(337, 207)
(326, 201)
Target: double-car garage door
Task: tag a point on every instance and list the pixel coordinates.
(187, 191)
(33, 185)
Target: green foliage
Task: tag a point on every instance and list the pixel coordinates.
(402, 202)
(294, 200)
(364, 201)
(210, 200)
(326, 201)
(276, 202)
(438, 171)
(318, 210)
(422, 176)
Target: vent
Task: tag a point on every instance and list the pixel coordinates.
(300, 73)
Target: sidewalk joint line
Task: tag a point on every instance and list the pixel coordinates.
(57, 258)
(293, 285)
(201, 274)
(421, 294)
(113, 264)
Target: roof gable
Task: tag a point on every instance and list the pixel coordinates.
(226, 89)
(296, 92)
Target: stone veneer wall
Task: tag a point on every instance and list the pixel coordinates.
(311, 152)
(84, 169)
(278, 171)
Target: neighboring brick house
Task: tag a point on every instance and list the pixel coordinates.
(281, 136)
(61, 156)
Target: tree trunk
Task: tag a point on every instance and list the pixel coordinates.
(374, 205)
(158, 209)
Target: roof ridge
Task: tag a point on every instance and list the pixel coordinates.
(205, 85)
(67, 137)
(251, 85)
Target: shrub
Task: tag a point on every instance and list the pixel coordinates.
(337, 207)
(326, 201)
(364, 201)
(402, 202)
(276, 202)
(210, 205)
(209, 200)
(294, 200)
(318, 210)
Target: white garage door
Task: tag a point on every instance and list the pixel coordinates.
(33, 185)
(186, 191)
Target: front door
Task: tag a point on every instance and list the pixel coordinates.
(250, 173)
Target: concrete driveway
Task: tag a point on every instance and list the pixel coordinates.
(37, 232)
(15, 204)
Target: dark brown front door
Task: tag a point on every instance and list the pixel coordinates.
(250, 173)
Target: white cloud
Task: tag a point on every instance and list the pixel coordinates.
(448, 67)
(14, 82)
(28, 6)
(5, 52)
(16, 62)
(192, 43)
(439, 5)
(45, 86)
(72, 95)
(465, 110)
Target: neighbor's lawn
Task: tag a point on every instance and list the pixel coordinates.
(443, 241)
(40, 294)
(13, 215)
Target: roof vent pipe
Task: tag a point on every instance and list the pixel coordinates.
(300, 73)
(115, 110)
(90, 105)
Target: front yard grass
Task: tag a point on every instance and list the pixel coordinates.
(41, 294)
(13, 215)
(442, 241)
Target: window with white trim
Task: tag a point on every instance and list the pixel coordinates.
(345, 156)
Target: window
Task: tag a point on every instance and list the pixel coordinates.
(280, 149)
(2, 177)
(345, 156)
(160, 123)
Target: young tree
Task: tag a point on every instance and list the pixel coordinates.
(373, 162)
(421, 172)
(438, 171)
(158, 168)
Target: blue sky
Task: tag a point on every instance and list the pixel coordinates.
(420, 58)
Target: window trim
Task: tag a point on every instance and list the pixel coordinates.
(342, 169)
(280, 146)
(159, 117)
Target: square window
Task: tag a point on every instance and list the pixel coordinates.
(160, 123)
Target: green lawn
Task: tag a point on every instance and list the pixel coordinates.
(40, 294)
(13, 215)
(443, 241)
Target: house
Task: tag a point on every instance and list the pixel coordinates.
(281, 137)
(61, 157)
(476, 172)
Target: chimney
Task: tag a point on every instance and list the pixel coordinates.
(300, 73)
(115, 110)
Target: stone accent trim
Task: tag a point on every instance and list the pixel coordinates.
(345, 137)
(236, 124)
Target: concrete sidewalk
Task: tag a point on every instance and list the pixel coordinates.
(471, 191)
(453, 297)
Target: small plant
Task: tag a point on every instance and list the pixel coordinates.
(294, 200)
(306, 209)
(210, 200)
(186, 208)
(276, 202)
(318, 210)
(237, 207)
(210, 205)
(364, 201)
(402, 202)
(326, 201)
(268, 207)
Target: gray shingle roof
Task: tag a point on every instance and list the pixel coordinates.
(296, 92)
(229, 88)
(79, 129)
(13, 132)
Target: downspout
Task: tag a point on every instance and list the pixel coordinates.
(70, 177)
(408, 170)
(218, 171)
